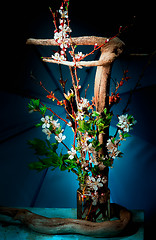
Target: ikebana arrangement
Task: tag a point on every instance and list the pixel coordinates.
(93, 150)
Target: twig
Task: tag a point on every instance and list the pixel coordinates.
(54, 113)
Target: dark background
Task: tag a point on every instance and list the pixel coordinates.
(133, 178)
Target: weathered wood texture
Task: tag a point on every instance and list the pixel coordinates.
(53, 226)
(85, 40)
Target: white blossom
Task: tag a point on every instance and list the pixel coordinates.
(58, 37)
(55, 123)
(47, 132)
(46, 121)
(72, 153)
(84, 103)
(69, 124)
(87, 147)
(64, 29)
(64, 14)
(60, 137)
(58, 57)
(93, 160)
(112, 148)
(80, 115)
(94, 183)
(79, 55)
(124, 123)
(65, 43)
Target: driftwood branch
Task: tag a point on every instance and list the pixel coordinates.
(79, 64)
(85, 40)
(53, 226)
(110, 50)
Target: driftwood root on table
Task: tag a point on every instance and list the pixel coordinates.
(54, 226)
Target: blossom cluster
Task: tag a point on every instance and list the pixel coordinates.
(62, 36)
(82, 106)
(112, 147)
(93, 185)
(52, 126)
(125, 124)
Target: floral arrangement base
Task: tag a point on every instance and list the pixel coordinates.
(87, 209)
(53, 226)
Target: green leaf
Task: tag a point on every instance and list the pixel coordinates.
(125, 135)
(81, 124)
(129, 117)
(96, 144)
(54, 146)
(34, 104)
(39, 124)
(63, 168)
(105, 111)
(113, 140)
(81, 130)
(95, 114)
(109, 116)
(58, 130)
(108, 162)
(64, 156)
(36, 166)
(39, 146)
(46, 161)
(99, 121)
(43, 109)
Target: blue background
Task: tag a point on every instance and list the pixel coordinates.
(132, 179)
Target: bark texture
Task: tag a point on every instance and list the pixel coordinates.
(53, 226)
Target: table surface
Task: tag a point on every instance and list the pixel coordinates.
(16, 231)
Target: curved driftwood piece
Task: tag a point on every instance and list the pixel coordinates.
(53, 226)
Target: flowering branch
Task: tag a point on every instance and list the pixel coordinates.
(54, 113)
(93, 150)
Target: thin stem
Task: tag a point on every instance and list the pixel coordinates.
(50, 93)
(65, 146)
(54, 113)
(73, 82)
(75, 133)
(106, 41)
(53, 14)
